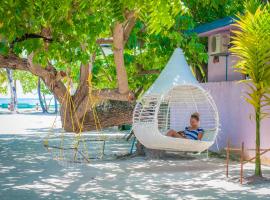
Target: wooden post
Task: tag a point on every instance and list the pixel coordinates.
(242, 163)
(227, 158)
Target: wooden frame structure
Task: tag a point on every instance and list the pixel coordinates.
(242, 159)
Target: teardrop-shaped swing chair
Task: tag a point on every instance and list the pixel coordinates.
(168, 104)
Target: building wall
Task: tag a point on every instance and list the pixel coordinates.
(235, 118)
(217, 71)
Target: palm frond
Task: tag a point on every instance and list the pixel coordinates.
(251, 43)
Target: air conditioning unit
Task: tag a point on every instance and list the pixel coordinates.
(219, 43)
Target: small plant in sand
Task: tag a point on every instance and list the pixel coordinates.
(251, 43)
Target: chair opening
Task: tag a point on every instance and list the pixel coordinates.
(179, 103)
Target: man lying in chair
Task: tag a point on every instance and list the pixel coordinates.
(193, 132)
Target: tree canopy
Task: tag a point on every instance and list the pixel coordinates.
(67, 32)
(72, 27)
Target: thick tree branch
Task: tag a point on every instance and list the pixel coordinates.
(31, 36)
(45, 35)
(51, 77)
(12, 61)
(129, 26)
(121, 32)
(83, 87)
(48, 75)
(104, 41)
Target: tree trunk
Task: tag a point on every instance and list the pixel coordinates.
(69, 117)
(258, 171)
(13, 93)
(40, 97)
(45, 102)
(118, 51)
(55, 104)
(111, 113)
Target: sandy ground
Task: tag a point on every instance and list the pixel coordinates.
(28, 172)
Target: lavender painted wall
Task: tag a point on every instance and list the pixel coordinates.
(235, 120)
(217, 71)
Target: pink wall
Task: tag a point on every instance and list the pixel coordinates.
(235, 120)
(217, 71)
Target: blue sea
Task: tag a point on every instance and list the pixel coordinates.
(30, 102)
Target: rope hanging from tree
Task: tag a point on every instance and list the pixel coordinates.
(70, 147)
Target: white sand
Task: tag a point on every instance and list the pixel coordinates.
(27, 172)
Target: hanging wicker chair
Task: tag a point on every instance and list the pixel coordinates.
(168, 104)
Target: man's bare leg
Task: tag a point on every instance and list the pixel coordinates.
(173, 133)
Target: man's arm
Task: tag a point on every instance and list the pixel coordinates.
(182, 133)
(200, 136)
